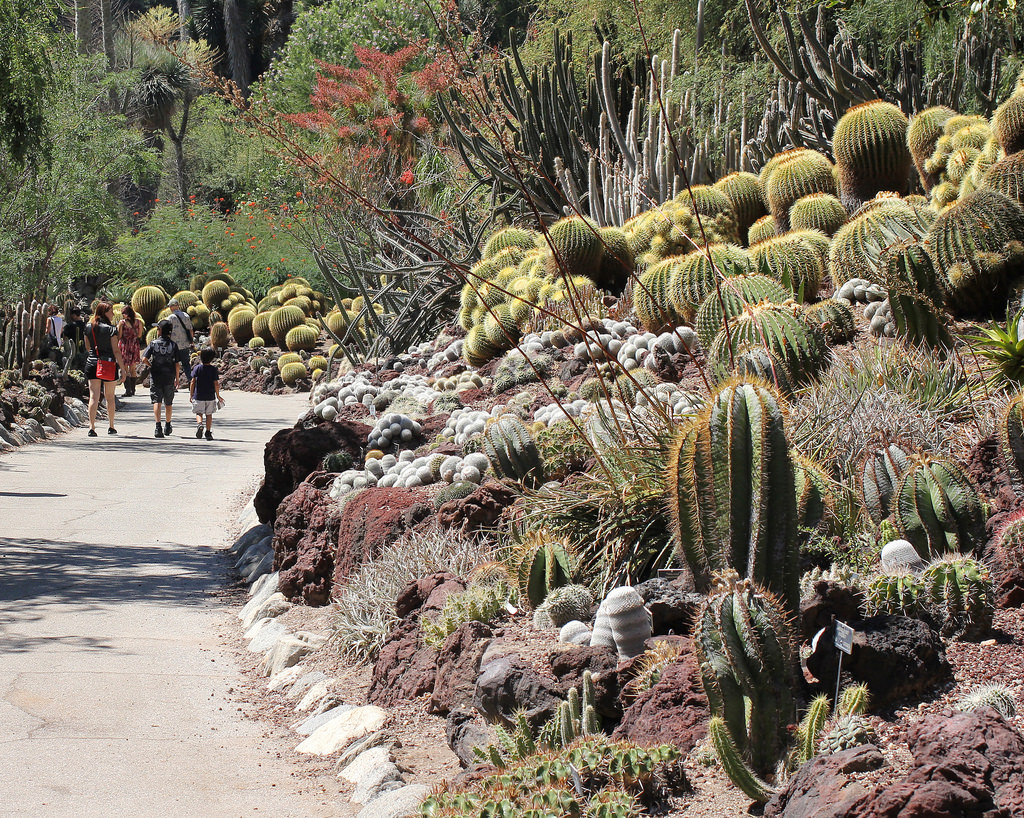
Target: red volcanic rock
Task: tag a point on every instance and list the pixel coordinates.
(305, 533)
(480, 510)
(372, 519)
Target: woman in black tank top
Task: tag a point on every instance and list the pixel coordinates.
(101, 345)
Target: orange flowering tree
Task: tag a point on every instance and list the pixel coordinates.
(260, 243)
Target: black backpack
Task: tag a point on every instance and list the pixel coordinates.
(162, 356)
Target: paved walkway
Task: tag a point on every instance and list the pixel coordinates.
(115, 692)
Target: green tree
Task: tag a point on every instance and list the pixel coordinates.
(26, 74)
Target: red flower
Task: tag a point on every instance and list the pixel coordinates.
(407, 178)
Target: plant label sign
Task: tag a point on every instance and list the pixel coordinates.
(844, 637)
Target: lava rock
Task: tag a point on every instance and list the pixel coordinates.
(458, 665)
(372, 519)
(673, 605)
(507, 685)
(305, 532)
(292, 455)
(984, 465)
(568, 666)
(822, 787)
(896, 657)
(673, 711)
(480, 510)
(464, 730)
(828, 602)
(1007, 563)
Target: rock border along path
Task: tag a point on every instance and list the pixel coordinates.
(115, 691)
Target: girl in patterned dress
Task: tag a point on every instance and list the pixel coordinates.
(129, 331)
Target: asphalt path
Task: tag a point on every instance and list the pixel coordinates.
(117, 696)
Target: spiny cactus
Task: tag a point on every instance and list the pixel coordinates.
(215, 293)
(302, 337)
(651, 300)
(848, 731)
(749, 665)
(733, 494)
(799, 173)
(879, 475)
(694, 276)
(870, 146)
(622, 623)
(219, 336)
(796, 259)
(575, 717)
(456, 491)
(937, 508)
(284, 319)
(735, 767)
(1008, 124)
(923, 132)
(999, 697)
(512, 451)
(1011, 438)
(813, 491)
(757, 363)
(779, 328)
(913, 297)
(832, 319)
(541, 563)
(147, 303)
(857, 247)
(763, 228)
(577, 246)
(240, 323)
(617, 262)
(809, 730)
(292, 373)
(976, 245)
(1007, 176)
(819, 211)
(736, 293)
(897, 592)
(569, 602)
(958, 590)
(744, 193)
(509, 237)
(478, 603)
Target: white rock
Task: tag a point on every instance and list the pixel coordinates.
(314, 695)
(338, 733)
(286, 652)
(400, 803)
(272, 606)
(312, 723)
(264, 633)
(285, 678)
(305, 682)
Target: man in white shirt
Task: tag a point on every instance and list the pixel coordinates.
(181, 334)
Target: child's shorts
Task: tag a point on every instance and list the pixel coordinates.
(204, 407)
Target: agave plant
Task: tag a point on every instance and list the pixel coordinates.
(1003, 349)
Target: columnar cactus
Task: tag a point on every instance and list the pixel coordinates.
(896, 592)
(744, 193)
(512, 451)
(870, 146)
(749, 666)
(959, 593)
(1011, 438)
(541, 564)
(734, 765)
(811, 726)
(937, 508)
(819, 211)
(779, 328)
(798, 173)
(733, 493)
(796, 259)
(813, 493)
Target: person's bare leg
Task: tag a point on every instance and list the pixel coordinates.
(110, 386)
(209, 422)
(156, 412)
(167, 411)
(94, 402)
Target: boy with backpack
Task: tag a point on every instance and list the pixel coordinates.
(205, 389)
(164, 369)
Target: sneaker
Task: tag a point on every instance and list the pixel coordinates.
(159, 431)
(167, 429)
(199, 432)
(92, 433)
(111, 431)
(209, 435)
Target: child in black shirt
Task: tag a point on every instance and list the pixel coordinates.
(205, 390)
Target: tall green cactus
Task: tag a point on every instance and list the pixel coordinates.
(779, 328)
(870, 146)
(733, 493)
(880, 472)
(960, 595)
(541, 563)
(1011, 438)
(749, 666)
(936, 507)
(977, 245)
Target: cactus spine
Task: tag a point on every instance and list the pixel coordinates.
(879, 474)
(870, 146)
(512, 451)
(541, 564)
(733, 493)
(749, 664)
(937, 508)
(959, 593)
(1011, 438)
(733, 764)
